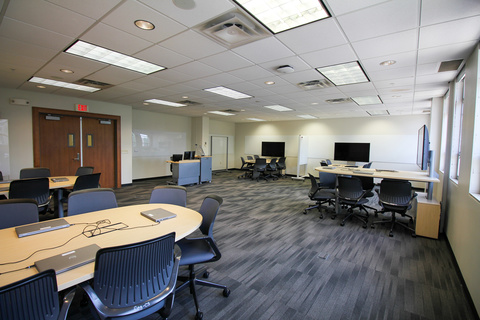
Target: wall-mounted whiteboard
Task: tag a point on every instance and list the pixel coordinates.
(4, 150)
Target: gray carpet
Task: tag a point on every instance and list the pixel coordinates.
(282, 264)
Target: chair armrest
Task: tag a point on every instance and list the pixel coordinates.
(67, 301)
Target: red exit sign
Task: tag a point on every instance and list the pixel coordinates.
(81, 107)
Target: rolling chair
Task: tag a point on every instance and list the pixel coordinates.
(396, 196)
(35, 297)
(281, 166)
(84, 181)
(249, 158)
(201, 250)
(246, 167)
(351, 194)
(37, 189)
(89, 200)
(124, 286)
(319, 195)
(259, 169)
(271, 170)
(15, 212)
(169, 194)
(84, 170)
(39, 172)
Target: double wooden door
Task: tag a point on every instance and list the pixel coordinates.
(64, 141)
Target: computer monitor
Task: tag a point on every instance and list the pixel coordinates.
(189, 155)
(176, 157)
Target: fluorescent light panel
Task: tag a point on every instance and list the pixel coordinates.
(306, 116)
(278, 108)
(255, 119)
(222, 113)
(87, 50)
(341, 74)
(62, 84)
(166, 103)
(281, 15)
(223, 91)
(363, 101)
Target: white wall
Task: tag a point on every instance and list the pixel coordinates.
(20, 125)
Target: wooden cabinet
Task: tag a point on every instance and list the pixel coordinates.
(427, 220)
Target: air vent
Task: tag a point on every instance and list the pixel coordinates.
(449, 65)
(339, 100)
(189, 102)
(315, 84)
(94, 84)
(233, 29)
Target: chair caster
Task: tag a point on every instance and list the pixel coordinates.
(372, 226)
(342, 223)
(199, 316)
(321, 216)
(304, 211)
(364, 226)
(390, 234)
(333, 217)
(206, 274)
(226, 292)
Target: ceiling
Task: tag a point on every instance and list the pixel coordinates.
(418, 34)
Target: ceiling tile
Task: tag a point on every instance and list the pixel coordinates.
(464, 30)
(340, 7)
(446, 53)
(437, 11)
(330, 56)
(91, 8)
(226, 61)
(264, 50)
(115, 75)
(162, 56)
(387, 45)
(192, 45)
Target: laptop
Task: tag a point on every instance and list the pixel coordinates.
(158, 214)
(59, 179)
(68, 260)
(40, 227)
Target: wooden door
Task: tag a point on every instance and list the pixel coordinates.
(59, 144)
(99, 149)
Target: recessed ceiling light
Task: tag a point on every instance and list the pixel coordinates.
(388, 62)
(314, 103)
(306, 116)
(184, 97)
(66, 71)
(87, 50)
(346, 73)
(278, 108)
(144, 25)
(281, 15)
(228, 92)
(362, 101)
(255, 119)
(62, 84)
(166, 103)
(222, 113)
(269, 82)
(41, 87)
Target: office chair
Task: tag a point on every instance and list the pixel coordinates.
(249, 158)
(259, 169)
(368, 185)
(396, 196)
(367, 165)
(351, 194)
(87, 181)
(134, 280)
(15, 212)
(319, 195)
(89, 200)
(170, 195)
(271, 169)
(256, 156)
(281, 166)
(83, 170)
(35, 297)
(39, 172)
(37, 189)
(201, 250)
(246, 167)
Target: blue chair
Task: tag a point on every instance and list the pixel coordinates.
(89, 200)
(169, 194)
(15, 212)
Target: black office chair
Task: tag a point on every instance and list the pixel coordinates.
(15, 212)
(320, 195)
(249, 158)
(87, 181)
(368, 185)
(201, 250)
(396, 196)
(367, 165)
(89, 200)
(271, 169)
(259, 169)
(39, 172)
(35, 297)
(84, 170)
(281, 166)
(134, 280)
(37, 189)
(246, 167)
(169, 194)
(351, 195)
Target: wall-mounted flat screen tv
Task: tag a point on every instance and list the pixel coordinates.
(352, 151)
(273, 149)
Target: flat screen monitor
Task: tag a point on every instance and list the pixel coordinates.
(189, 155)
(423, 148)
(273, 149)
(176, 157)
(352, 151)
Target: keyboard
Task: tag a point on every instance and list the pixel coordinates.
(363, 172)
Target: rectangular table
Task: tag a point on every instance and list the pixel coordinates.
(64, 240)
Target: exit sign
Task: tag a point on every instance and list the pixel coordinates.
(81, 107)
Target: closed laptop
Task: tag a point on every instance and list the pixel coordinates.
(158, 214)
(40, 227)
(68, 260)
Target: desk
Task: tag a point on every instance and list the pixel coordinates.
(56, 186)
(185, 172)
(427, 210)
(13, 248)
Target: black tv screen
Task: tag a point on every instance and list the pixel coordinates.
(352, 151)
(273, 149)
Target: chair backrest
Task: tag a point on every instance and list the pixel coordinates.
(256, 156)
(84, 170)
(87, 181)
(349, 188)
(209, 210)
(328, 161)
(128, 276)
(281, 163)
(35, 297)
(395, 192)
(27, 173)
(367, 183)
(272, 165)
(249, 157)
(260, 164)
(243, 162)
(36, 188)
(327, 180)
(313, 185)
(367, 165)
(15, 212)
(323, 163)
(170, 195)
(89, 200)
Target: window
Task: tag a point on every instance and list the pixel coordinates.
(475, 173)
(443, 145)
(457, 127)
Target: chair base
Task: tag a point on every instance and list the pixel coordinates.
(319, 206)
(352, 214)
(393, 221)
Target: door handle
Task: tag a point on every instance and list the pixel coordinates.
(77, 158)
